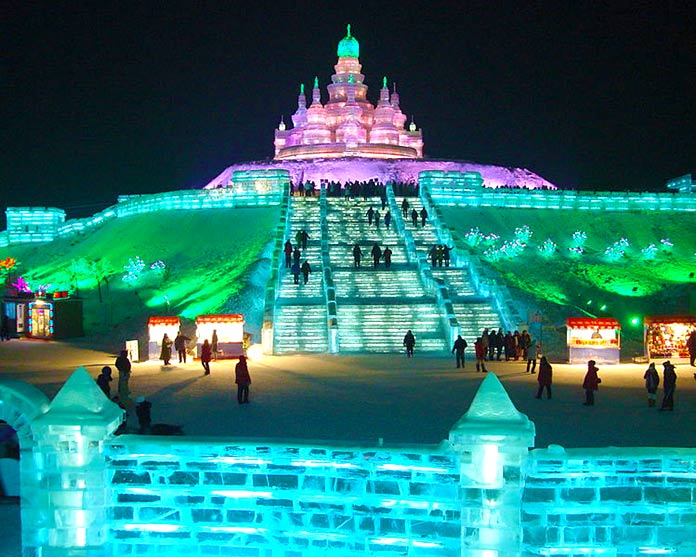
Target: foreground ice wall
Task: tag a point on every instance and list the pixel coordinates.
(481, 493)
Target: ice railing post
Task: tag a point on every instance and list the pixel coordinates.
(70, 463)
(329, 286)
(492, 441)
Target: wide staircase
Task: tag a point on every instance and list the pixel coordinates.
(372, 306)
(300, 318)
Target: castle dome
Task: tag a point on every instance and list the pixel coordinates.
(349, 46)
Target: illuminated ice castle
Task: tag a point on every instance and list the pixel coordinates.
(348, 124)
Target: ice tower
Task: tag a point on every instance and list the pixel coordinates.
(348, 125)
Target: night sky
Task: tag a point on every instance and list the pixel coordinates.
(107, 98)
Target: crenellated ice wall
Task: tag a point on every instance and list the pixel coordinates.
(480, 493)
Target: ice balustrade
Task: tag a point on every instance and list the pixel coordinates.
(329, 286)
(480, 492)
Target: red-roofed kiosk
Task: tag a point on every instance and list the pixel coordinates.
(597, 339)
(156, 328)
(666, 335)
(229, 329)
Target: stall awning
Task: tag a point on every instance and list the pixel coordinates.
(163, 321)
(653, 320)
(593, 323)
(221, 318)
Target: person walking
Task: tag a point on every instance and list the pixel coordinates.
(409, 343)
(166, 351)
(295, 270)
(377, 217)
(387, 254)
(387, 219)
(287, 249)
(306, 269)
(532, 354)
(104, 381)
(206, 356)
(180, 346)
(480, 351)
(414, 217)
(357, 256)
(370, 215)
(691, 345)
(545, 377)
(669, 383)
(652, 382)
(243, 380)
(376, 254)
(458, 350)
(304, 237)
(432, 254)
(123, 366)
(296, 255)
(423, 216)
(591, 383)
(405, 205)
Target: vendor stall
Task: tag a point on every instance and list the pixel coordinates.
(48, 316)
(665, 336)
(156, 328)
(597, 339)
(229, 330)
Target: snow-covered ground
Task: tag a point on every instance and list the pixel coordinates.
(368, 397)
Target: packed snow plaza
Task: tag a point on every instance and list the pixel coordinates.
(481, 492)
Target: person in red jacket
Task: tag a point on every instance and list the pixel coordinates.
(480, 351)
(590, 383)
(243, 380)
(206, 356)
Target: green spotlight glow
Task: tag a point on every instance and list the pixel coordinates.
(635, 321)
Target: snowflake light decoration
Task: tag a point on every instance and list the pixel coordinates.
(579, 239)
(617, 250)
(547, 248)
(649, 252)
(133, 270)
(523, 234)
(158, 267)
(473, 237)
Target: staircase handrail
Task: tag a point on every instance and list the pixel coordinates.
(329, 287)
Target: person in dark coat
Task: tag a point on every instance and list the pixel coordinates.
(206, 356)
(509, 346)
(180, 346)
(414, 217)
(306, 269)
(545, 377)
(243, 380)
(458, 350)
(304, 236)
(652, 382)
(409, 343)
(104, 381)
(295, 270)
(123, 366)
(166, 351)
(214, 344)
(590, 383)
(296, 255)
(669, 383)
(492, 343)
(480, 351)
(143, 410)
(691, 345)
(287, 249)
(370, 214)
(376, 254)
(387, 254)
(404, 207)
(357, 255)
(423, 216)
(387, 219)
(500, 343)
(432, 254)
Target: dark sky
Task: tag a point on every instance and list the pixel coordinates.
(103, 98)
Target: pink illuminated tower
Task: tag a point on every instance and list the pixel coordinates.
(348, 125)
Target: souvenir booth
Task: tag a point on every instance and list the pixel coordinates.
(597, 339)
(156, 328)
(229, 329)
(666, 336)
(48, 316)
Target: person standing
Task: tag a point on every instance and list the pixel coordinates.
(306, 269)
(305, 237)
(669, 385)
(295, 270)
(214, 345)
(414, 217)
(500, 343)
(458, 350)
(387, 254)
(652, 382)
(166, 351)
(370, 214)
(243, 380)
(492, 343)
(180, 346)
(143, 409)
(123, 366)
(357, 256)
(484, 342)
(590, 383)
(532, 353)
(287, 249)
(409, 343)
(545, 377)
(480, 351)
(377, 217)
(691, 345)
(104, 381)
(387, 219)
(206, 356)
(423, 216)
(404, 207)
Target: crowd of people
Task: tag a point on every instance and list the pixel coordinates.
(354, 189)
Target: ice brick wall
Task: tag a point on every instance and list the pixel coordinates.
(189, 497)
(615, 501)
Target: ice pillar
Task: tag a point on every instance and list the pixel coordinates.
(69, 462)
(492, 440)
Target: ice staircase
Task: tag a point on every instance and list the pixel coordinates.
(473, 311)
(300, 317)
(376, 306)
